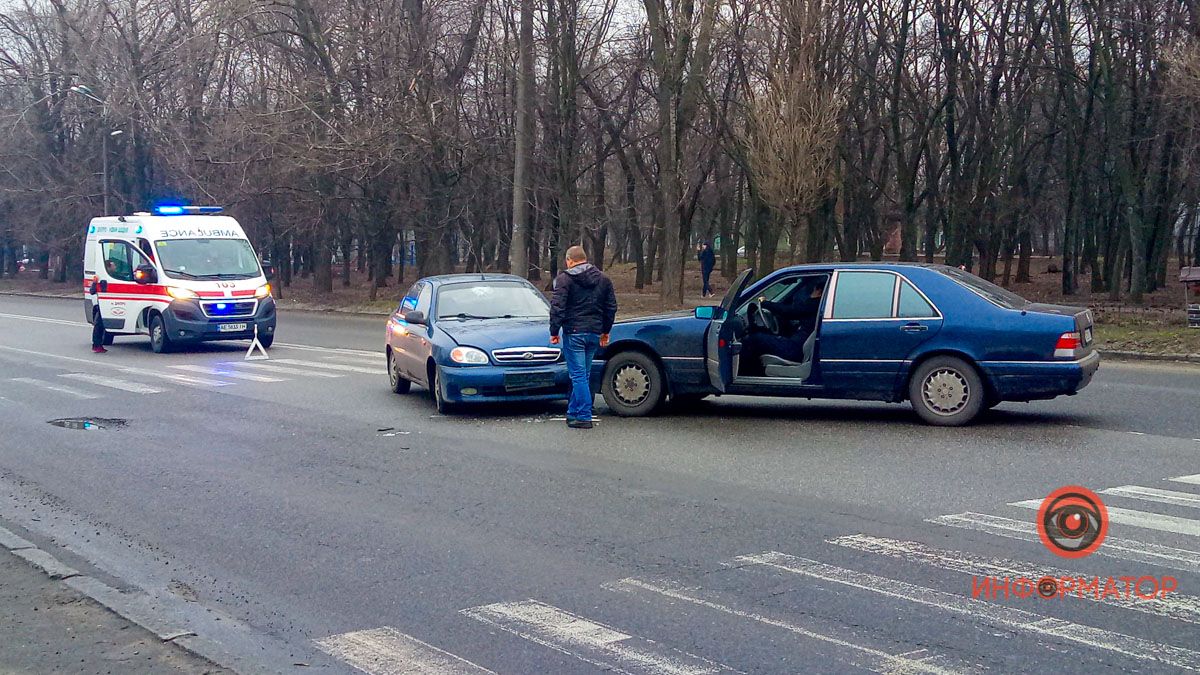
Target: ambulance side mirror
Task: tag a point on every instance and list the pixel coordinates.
(268, 270)
(414, 317)
(146, 274)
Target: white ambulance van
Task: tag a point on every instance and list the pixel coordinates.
(181, 274)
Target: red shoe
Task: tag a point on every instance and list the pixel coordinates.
(99, 350)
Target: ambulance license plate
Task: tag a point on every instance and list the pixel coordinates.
(231, 327)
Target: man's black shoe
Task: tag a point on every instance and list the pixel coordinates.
(580, 424)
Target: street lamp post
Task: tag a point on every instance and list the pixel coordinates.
(87, 93)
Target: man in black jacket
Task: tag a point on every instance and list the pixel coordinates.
(584, 307)
(707, 262)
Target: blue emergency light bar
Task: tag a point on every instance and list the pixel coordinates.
(173, 210)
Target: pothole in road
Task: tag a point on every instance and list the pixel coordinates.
(89, 423)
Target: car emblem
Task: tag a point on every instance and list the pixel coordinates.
(527, 355)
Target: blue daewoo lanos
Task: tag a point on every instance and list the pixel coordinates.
(475, 338)
(949, 342)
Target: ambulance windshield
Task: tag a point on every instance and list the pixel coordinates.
(207, 258)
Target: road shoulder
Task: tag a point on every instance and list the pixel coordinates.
(49, 627)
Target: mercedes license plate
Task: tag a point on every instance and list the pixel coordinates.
(231, 327)
(522, 381)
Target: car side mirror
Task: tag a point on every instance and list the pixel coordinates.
(415, 317)
(269, 271)
(708, 312)
(146, 274)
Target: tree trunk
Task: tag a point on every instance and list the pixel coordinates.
(523, 150)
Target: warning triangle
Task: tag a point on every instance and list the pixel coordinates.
(255, 345)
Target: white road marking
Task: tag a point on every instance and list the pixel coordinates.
(1144, 519)
(387, 651)
(225, 372)
(1113, 547)
(991, 612)
(329, 350)
(1193, 479)
(55, 387)
(1181, 607)
(112, 382)
(278, 369)
(332, 366)
(42, 319)
(176, 378)
(868, 658)
(1172, 497)
(183, 379)
(589, 641)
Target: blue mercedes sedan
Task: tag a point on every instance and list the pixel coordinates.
(475, 338)
(945, 340)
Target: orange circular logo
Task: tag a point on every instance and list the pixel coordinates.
(1072, 522)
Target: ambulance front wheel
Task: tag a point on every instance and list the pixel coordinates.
(159, 341)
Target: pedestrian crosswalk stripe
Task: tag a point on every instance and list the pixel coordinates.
(1176, 606)
(1172, 497)
(225, 372)
(55, 387)
(340, 351)
(1193, 479)
(112, 382)
(190, 380)
(1113, 547)
(332, 366)
(1144, 519)
(862, 656)
(271, 367)
(371, 358)
(387, 651)
(588, 641)
(991, 612)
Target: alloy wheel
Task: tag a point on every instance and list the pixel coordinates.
(631, 384)
(945, 391)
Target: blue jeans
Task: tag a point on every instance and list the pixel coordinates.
(580, 349)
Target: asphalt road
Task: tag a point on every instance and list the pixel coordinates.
(298, 512)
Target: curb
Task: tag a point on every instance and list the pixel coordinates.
(280, 306)
(1118, 355)
(34, 294)
(139, 608)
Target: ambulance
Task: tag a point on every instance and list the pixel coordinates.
(182, 274)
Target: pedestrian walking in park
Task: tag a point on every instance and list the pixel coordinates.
(708, 260)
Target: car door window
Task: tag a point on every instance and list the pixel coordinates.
(864, 295)
(118, 260)
(425, 299)
(912, 305)
(409, 302)
(146, 248)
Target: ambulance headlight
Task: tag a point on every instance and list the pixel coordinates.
(262, 291)
(181, 293)
(468, 356)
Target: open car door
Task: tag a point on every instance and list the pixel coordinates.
(718, 348)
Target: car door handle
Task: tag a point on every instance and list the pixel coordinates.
(914, 328)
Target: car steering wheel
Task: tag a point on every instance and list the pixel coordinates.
(768, 320)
